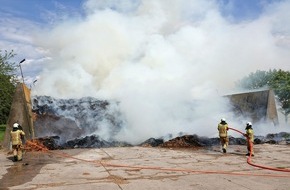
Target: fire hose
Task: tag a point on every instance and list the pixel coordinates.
(249, 161)
(42, 148)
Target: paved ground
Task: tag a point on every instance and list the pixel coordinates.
(147, 168)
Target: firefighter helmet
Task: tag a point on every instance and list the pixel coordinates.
(15, 125)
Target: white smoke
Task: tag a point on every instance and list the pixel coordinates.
(156, 57)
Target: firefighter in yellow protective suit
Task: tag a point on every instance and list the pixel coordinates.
(16, 138)
(250, 139)
(223, 134)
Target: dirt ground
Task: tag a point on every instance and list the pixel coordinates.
(129, 168)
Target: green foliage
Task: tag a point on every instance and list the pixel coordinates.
(6, 66)
(277, 80)
(281, 85)
(257, 80)
(7, 84)
(2, 132)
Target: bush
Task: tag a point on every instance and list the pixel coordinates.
(2, 132)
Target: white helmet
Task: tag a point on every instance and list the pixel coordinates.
(249, 124)
(223, 119)
(15, 125)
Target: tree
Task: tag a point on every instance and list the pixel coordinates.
(7, 84)
(257, 80)
(277, 80)
(280, 82)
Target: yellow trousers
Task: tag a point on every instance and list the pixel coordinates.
(224, 142)
(17, 151)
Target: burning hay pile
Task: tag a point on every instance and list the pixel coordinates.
(186, 141)
(92, 123)
(69, 119)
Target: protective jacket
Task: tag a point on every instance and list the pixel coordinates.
(250, 134)
(16, 137)
(223, 129)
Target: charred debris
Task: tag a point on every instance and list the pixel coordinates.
(80, 123)
(185, 141)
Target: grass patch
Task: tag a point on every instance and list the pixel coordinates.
(2, 132)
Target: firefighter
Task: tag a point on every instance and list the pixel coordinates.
(223, 134)
(16, 138)
(250, 139)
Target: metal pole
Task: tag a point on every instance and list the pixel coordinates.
(28, 116)
(21, 69)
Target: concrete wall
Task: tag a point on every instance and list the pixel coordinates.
(258, 105)
(272, 113)
(20, 112)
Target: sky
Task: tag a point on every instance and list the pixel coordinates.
(153, 56)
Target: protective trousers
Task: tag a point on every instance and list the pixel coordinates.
(250, 147)
(224, 142)
(17, 152)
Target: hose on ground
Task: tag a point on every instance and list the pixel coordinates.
(249, 161)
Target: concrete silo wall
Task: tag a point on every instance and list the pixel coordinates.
(20, 112)
(272, 113)
(258, 106)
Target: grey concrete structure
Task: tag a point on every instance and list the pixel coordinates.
(20, 112)
(256, 105)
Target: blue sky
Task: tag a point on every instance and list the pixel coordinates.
(243, 9)
(40, 10)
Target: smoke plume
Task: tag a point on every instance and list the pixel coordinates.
(167, 62)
